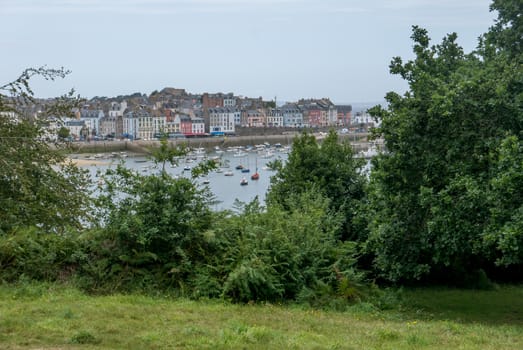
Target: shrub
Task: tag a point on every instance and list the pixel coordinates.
(280, 254)
(30, 254)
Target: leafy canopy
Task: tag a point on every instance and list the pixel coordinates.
(331, 169)
(453, 138)
(38, 187)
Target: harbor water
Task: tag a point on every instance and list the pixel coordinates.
(224, 182)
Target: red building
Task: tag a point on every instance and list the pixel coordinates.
(186, 125)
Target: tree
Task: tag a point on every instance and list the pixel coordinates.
(432, 195)
(329, 168)
(166, 153)
(38, 187)
(507, 33)
(154, 226)
(63, 133)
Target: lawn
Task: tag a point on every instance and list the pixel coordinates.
(58, 317)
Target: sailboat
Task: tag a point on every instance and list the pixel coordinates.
(246, 169)
(255, 176)
(244, 182)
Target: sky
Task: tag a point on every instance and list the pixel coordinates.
(276, 49)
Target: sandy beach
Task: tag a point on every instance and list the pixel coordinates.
(88, 162)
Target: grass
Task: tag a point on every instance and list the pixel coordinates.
(42, 316)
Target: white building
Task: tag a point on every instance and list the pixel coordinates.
(292, 115)
(198, 126)
(229, 100)
(92, 120)
(159, 126)
(367, 119)
(76, 128)
(222, 119)
(137, 125)
(275, 117)
(117, 109)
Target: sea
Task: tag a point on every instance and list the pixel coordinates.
(225, 187)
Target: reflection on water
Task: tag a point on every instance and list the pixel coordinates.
(223, 182)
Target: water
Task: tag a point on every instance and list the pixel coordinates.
(227, 189)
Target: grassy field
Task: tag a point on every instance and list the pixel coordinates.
(57, 317)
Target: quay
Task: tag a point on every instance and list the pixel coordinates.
(359, 141)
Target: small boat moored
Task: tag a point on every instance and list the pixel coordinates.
(244, 182)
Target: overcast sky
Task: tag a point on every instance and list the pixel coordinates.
(286, 49)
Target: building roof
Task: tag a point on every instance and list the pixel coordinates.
(344, 108)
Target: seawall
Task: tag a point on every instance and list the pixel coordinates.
(359, 142)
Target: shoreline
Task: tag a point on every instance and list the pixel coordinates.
(87, 162)
(359, 141)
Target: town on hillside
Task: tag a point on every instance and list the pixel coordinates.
(179, 114)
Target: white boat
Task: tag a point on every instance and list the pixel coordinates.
(369, 153)
(267, 154)
(239, 154)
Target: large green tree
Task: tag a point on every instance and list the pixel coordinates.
(329, 168)
(37, 186)
(434, 193)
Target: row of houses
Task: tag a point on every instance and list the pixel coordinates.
(181, 114)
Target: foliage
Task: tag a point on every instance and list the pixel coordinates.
(444, 199)
(63, 133)
(166, 154)
(506, 34)
(502, 238)
(37, 185)
(276, 254)
(150, 234)
(33, 255)
(330, 168)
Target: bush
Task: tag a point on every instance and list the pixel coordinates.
(279, 254)
(30, 254)
(152, 235)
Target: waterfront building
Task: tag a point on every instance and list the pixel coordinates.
(275, 117)
(114, 124)
(292, 115)
(140, 124)
(92, 120)
(222, 119)
(197, 126)
(76, 128)
(185, 124)
(344, 116)
(254, 118)
(363, 118)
